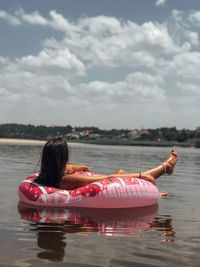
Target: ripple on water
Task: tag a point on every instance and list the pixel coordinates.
(164, 237)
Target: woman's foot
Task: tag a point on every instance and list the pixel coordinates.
(170, 162)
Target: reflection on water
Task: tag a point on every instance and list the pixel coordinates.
(51, 239)
(80, 238)
(164, 225)
(52, 225)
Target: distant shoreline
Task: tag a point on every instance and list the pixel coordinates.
(98, 142)
(134, 143)
(23, 141)
(28, 141)
(12, 133)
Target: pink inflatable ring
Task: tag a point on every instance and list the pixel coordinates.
(107, 193)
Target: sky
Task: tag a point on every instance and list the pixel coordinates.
(109, 63)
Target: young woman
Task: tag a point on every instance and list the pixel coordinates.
(56, 172)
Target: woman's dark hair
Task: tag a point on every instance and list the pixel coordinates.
(53, 163)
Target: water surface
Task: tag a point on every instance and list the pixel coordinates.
(168, 234)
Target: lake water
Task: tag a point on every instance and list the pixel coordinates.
(164, 235)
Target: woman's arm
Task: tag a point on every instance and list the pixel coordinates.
(72, 181)
(70, 168)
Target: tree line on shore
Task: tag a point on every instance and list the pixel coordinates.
(164, 134)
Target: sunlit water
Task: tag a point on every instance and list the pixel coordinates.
(164, 235)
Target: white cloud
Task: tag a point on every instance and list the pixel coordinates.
(107, 41)
(42, 82)
(189, 89)
(193, 37)
(185, 65)
(3, 61)
(58, 22)
(47, 94)
(9, 18)
(141, 86)
(187, 103)
(53, 62)
(33, 18)
(177, 15)
(157, 55)
(195, 17)
(160, 2)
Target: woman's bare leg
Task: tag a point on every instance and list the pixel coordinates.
(120, 172)
(166, 166)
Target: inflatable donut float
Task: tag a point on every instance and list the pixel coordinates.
(106, 193)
